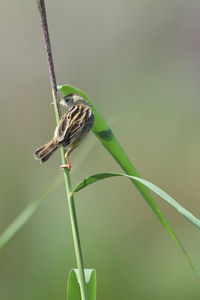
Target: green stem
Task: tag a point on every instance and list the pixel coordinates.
(72, 210)
(73, 218)
(75, 231)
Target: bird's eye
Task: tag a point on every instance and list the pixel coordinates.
(66, 99)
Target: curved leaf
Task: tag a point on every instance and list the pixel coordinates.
(73, 288)
(109, 141)
(94, 178)
(90, 275)
(190, 217)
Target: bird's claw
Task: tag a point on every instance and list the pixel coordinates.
(66, 167)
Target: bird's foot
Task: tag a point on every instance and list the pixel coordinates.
(66, 167)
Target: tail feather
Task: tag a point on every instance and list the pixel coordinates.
(46, 151)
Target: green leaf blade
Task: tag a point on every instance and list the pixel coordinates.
(190, 217)
(96, 177)
(25, 215)
(73, 289)
(109, 141)
(114, 148)
(92, 285)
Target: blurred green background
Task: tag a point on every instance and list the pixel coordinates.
(140, 63)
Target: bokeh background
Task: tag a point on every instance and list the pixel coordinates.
(140, 63)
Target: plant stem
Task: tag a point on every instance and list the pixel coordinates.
(71, 204)
(75, 231)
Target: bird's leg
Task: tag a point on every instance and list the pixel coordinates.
(68, 166)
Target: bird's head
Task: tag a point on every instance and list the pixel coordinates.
(73, 99)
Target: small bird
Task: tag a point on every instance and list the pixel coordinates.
(72, 128)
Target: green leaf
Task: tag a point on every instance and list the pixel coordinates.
(73, 289)
(91, 283)
(190, 217)
(91, 179)
(109, 141)
(25, 215)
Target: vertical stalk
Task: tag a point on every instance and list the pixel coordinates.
(71, 204)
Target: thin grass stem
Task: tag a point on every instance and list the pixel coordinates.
(71, 204)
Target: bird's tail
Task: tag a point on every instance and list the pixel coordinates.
(46, 151)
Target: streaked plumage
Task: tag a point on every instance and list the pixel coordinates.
(72, 128)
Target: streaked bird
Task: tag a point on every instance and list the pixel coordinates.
(72, 128)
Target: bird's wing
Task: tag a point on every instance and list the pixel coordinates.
(72, 123)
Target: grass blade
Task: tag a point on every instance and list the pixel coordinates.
(91, 280)
(94, 178)
(190, 217)
(109, 141)
(25, 215)
(73, 287)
